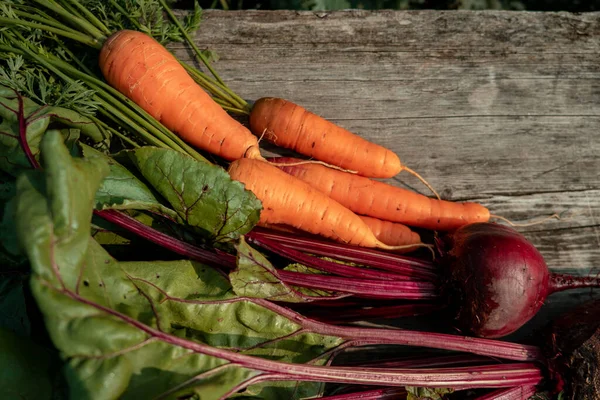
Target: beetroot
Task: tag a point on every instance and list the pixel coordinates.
(497, 279)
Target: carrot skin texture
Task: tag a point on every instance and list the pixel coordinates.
(287, 200)
(142, 69)
(380, 200)
(289, 125)
(391, 233)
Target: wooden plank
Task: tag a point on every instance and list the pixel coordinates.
(497, 107)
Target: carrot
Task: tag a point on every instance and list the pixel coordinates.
(391, 233)
(287, 200)
(380, 200)
(288, 125)
(146, 72)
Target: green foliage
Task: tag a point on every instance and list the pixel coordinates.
(122, 190)
(115, 322)
(418, 393)
(256, 277)
(202, 195)
(36, 121)
(38, 86)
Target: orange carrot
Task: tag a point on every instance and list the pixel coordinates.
(288, 125)
(287, 200)
(146, 72)
(380, 200)
(391, 233)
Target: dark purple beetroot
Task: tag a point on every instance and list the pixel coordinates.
(498, 280)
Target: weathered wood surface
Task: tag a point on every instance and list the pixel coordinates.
(497, 107)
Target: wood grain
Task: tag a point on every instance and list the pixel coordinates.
(497, 107)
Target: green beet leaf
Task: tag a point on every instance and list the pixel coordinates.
(256, 277)
(423, 393)
(35, 122)
(131, 330)
(122, 190)
(203, 195)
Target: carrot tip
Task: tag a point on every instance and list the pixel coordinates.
(556, 216)
(253, 152)
(406, 247)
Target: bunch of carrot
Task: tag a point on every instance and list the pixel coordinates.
(337, 197)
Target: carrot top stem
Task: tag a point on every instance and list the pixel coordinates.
(218, 90)
(92, 32)
(76, 59)
(229, 108)
(44, 19)
(236, 100)
(102, 125)
(90, 17)
(73, 19)
(201, 57)
(87, 40)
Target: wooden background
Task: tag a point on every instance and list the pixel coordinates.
(502, 108)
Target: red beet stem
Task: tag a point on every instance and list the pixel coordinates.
(431, 340)
(360, 255)
(492, 348)
(368, 288)
(560, 282)
(516, 393)
(328, 266)
(168, 242)
(494, 376)
(23, 132)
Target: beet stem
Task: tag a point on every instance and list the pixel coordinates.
(369, 288)
(329, 266)
(441, 341)
(494, 376)
(560, 282)
(168, 242)
(487, 347)
(359, 255)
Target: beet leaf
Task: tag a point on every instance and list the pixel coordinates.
(122, 190)
(21, 119)
(94, 306)
(256, 277)
(203, 195)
